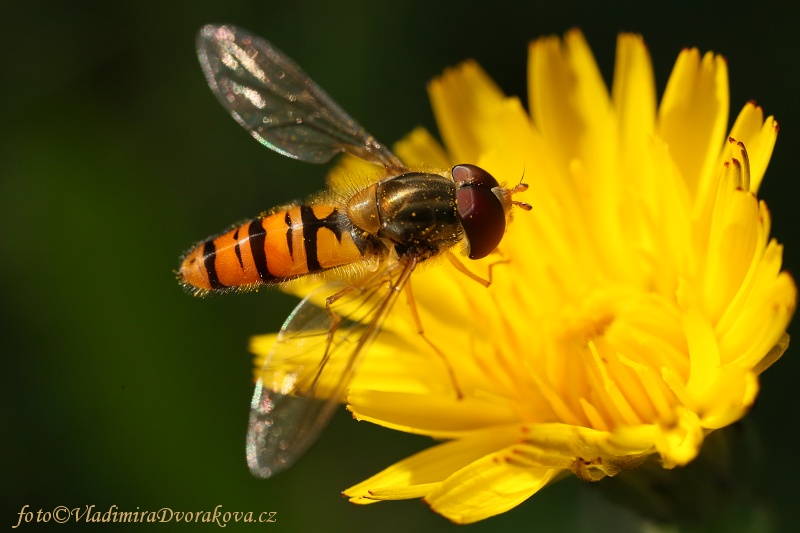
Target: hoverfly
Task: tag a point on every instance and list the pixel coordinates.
(380, 231)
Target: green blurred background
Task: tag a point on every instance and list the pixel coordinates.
(119, 389)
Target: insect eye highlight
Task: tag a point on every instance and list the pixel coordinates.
(473, 175)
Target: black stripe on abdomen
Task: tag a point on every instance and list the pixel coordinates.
(257, 237)
(238, 249)
(209, 257)
(310, 225)
(289, 233)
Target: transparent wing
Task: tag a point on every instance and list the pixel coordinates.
(307, 372)
(273, 99)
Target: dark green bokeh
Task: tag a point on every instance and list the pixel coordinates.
(117, 387)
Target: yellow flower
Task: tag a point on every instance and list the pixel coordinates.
(633, 309)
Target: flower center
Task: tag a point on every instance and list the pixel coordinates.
(594, 359)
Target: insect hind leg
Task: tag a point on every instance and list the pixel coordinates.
(359, 288)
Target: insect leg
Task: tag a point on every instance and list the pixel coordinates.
(359, 287)
(471, 275)
(415, 314)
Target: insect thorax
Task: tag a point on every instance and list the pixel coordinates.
(418, 213)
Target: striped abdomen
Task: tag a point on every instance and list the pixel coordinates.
(271, 249)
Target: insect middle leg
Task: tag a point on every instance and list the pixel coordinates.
(415, 314)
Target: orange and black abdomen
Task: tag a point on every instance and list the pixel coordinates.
(271, 249)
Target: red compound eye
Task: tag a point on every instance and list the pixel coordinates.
(482, 215)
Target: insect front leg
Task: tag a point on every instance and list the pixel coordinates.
(471, 275)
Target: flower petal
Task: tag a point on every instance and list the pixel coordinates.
(759, 136)
(419, 148)
(634, 96)
(679, 442)
(437, 416)
(461, 97)
(693, 117)
(489, 486)
(729, 398)
(773, 355)
(569, 101)
(432, 465)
